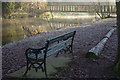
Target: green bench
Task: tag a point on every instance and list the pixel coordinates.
(36, 58)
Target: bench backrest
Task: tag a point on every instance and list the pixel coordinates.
(57, 43)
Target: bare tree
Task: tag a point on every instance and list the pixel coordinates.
(102, 9)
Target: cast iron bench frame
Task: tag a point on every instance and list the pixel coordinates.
(38, 56)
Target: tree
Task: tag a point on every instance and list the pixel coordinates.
(117, 61)
(29, 7)
(18, 6)
(102, 9)
(7, 8)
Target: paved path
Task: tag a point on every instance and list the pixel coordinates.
(52, 64)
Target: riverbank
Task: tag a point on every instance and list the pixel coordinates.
(20, 28)
(87, 36)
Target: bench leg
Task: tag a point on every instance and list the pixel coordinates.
(71, 51)
(45, 69)
(27, 68)
(57, 54)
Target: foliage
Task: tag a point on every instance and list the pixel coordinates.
(18, 5)
(33, 8)
(7, 8)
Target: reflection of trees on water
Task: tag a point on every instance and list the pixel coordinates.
(35, 29)
(14, 30)
(19, 28)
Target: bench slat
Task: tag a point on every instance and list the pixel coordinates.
(61, 37)
(56, 49)
(68, 41)
(49, 53)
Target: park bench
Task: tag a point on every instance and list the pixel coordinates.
(36, 58)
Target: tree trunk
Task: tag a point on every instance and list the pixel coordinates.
(96, 51)
(117, 61)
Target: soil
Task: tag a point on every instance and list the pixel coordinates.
(87, 36)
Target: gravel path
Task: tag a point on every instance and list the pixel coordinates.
(82, 67)
(110, 48)
(87, 36)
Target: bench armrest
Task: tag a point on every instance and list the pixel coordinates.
(33, 51)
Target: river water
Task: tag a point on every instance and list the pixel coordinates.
(20, 28)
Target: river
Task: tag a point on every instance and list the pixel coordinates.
(20, 28)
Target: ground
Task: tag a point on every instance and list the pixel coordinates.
(87, 36)
(82, 67)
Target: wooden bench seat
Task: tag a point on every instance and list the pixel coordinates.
(54, 45)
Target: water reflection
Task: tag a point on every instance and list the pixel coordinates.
(16, 29)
